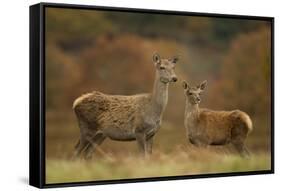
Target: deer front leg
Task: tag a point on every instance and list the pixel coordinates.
(149, 145)
(142, 143)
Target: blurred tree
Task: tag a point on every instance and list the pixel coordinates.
(126, 60)
(149, 25)
(244, 81)
(225, 29)
(73, 29)
(62, 75)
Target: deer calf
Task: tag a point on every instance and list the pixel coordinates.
(208, 127)
(124, 118)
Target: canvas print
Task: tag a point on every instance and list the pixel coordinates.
(133, 95)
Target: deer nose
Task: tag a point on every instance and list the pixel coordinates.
(175, 79)
(198, 99)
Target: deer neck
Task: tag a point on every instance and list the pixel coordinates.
(191, 110)
(159, 95)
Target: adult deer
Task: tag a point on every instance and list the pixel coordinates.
(208, 127)
(124, 118)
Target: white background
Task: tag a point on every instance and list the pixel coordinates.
(14, 74)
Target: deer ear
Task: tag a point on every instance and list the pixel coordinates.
(175, 59)
(203, 85)
(185, 85)
(156, 58)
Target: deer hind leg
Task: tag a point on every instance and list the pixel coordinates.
(80, 147)
(238, 137)
(94, 141)
(242, 150)
(82, 143)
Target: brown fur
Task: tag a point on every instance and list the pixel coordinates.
(113, 113)
(124, 118)
(208, 127)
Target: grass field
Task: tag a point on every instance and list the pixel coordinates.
(172, 154)
(178, 163)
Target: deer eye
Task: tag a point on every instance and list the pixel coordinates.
(190, 93)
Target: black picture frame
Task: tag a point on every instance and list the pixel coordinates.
(37, 95)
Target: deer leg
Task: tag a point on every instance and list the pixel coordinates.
(80, 146)
(149, 145)
(242, 150)
(240, 147)
(94, 143)
(75, 154)
(77, 144)
(238, 136)
(246, 153)
(141, 140)
(82, 143)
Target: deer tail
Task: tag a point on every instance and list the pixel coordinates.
(244, 118)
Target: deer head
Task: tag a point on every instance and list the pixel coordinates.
(193, 93)
(165, 68)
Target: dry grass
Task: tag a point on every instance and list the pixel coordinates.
(172, 155)
(180, 162)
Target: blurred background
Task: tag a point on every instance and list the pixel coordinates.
(111, 52)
